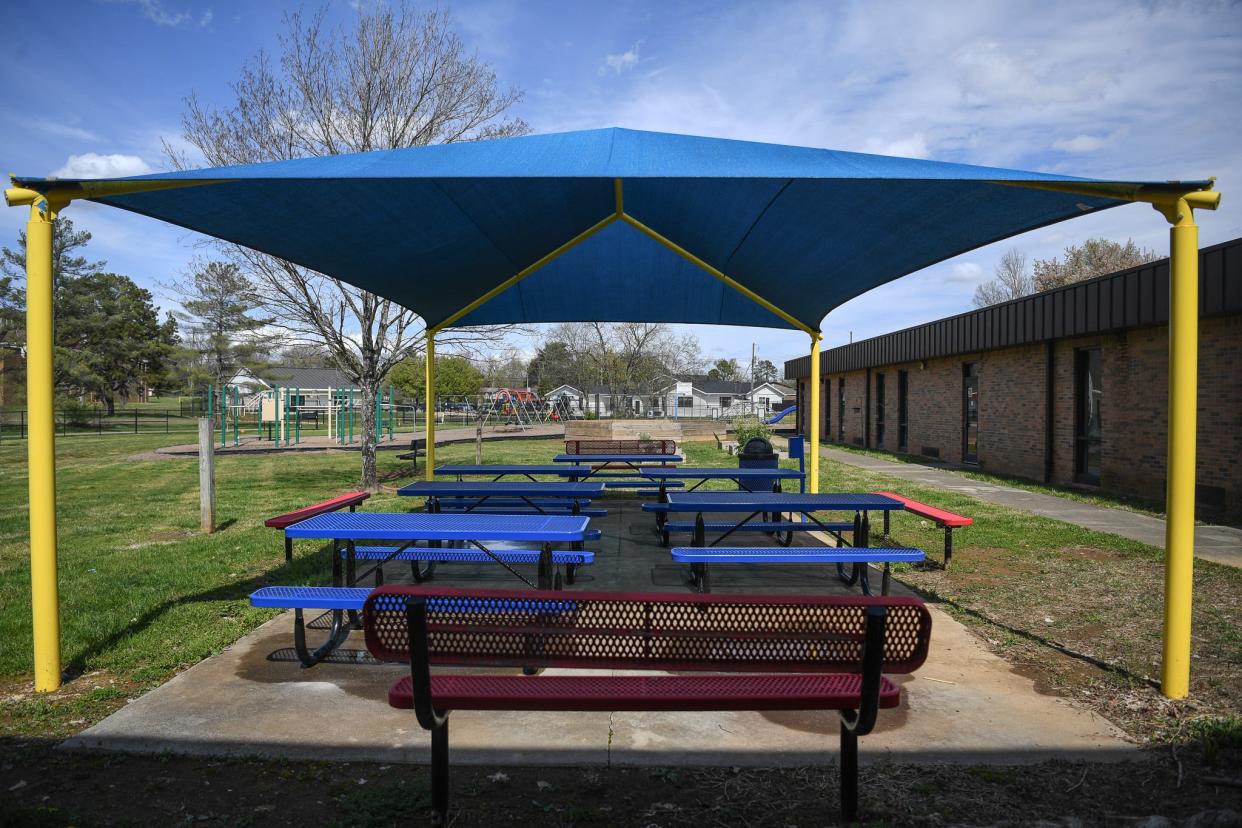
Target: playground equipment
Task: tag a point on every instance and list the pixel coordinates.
(780, 415)
(280, 413)
(522, 407)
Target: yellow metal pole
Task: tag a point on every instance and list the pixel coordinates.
(41, 447)
(815, 402)
(430, 404)
(1179, 537)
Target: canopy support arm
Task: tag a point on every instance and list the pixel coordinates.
(1179, 538)
(41, 445)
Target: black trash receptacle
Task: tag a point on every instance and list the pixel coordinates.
(757, 453)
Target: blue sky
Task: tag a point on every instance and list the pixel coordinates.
(1116, 90)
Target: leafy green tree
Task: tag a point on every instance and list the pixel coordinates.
(455, 377)
(725, 369)
(109, 340)
(221, 335)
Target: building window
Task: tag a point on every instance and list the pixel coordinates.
(686, 403)
(825, 399)
(841, 410)
(879, 411)
(970, 413)
(1087, 433)
(725, 402)
(903, 410)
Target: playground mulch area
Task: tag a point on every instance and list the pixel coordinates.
(49, 787)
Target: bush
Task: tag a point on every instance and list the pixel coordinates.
(747, 427)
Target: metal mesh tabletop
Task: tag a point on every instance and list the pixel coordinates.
(425, 488)
(561, 470)
(618, 458)
(403, 526)
(779, 502)
(723, 473)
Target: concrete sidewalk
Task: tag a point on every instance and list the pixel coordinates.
(1220, 544)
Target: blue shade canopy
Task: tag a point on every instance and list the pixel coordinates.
(438, 228)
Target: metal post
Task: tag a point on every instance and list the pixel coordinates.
(41, 449)
(429, 432)
(236, 415)
(224, 416)
(206, 477)
(815, 403)
(392, 410)
(297, 422)
(1183, 408)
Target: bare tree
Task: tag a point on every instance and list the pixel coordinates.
(397, 78)
(1011, 281)
(1094, 257)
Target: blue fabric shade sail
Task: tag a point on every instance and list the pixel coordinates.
(438, 228)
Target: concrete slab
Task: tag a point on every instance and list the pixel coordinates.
(965, 705)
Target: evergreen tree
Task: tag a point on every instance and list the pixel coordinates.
(220, 334)
(109, 340)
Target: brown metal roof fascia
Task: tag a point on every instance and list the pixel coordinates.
(1129, 298)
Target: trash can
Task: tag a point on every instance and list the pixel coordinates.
(757, 453)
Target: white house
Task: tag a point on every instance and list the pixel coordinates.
(695, 396)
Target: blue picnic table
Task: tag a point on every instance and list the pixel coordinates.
(543, 498)
(408, 529)
(704, 474)
(625, 469)
(755, 504)
(499, 471)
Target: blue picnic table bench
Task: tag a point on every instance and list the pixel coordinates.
(756, 504)
(500, 471)
(507, 497)
(489, 537)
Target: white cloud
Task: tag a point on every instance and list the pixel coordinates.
(964, 273)
(623, 62)
(913, 146)
(62, 130)
(155, 11)
(94, 165)
(1081, 143)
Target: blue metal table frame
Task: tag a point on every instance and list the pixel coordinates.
(706, 473)
(499, 471)
(478, 494)
(753, 504)
(632, 463)
(410, 528)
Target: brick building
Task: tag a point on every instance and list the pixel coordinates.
(1069, 386)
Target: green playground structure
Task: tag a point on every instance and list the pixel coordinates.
(280, 414)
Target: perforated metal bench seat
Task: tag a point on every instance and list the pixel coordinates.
(806, 554)
(710, 652)
(486, 509)
(608, 693)
(699, 557)
(641, 484)
(946, 520)
(511, 555)
(310, 597)
(760, 526)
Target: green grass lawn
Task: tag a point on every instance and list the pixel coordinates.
(143, 595)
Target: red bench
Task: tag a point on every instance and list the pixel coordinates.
(352, 499)
(774, 652)
(620, 446)
(945, 520)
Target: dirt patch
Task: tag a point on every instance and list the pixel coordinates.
(44, 786)
(1091, 553)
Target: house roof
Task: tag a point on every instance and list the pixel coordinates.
(306, 377)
